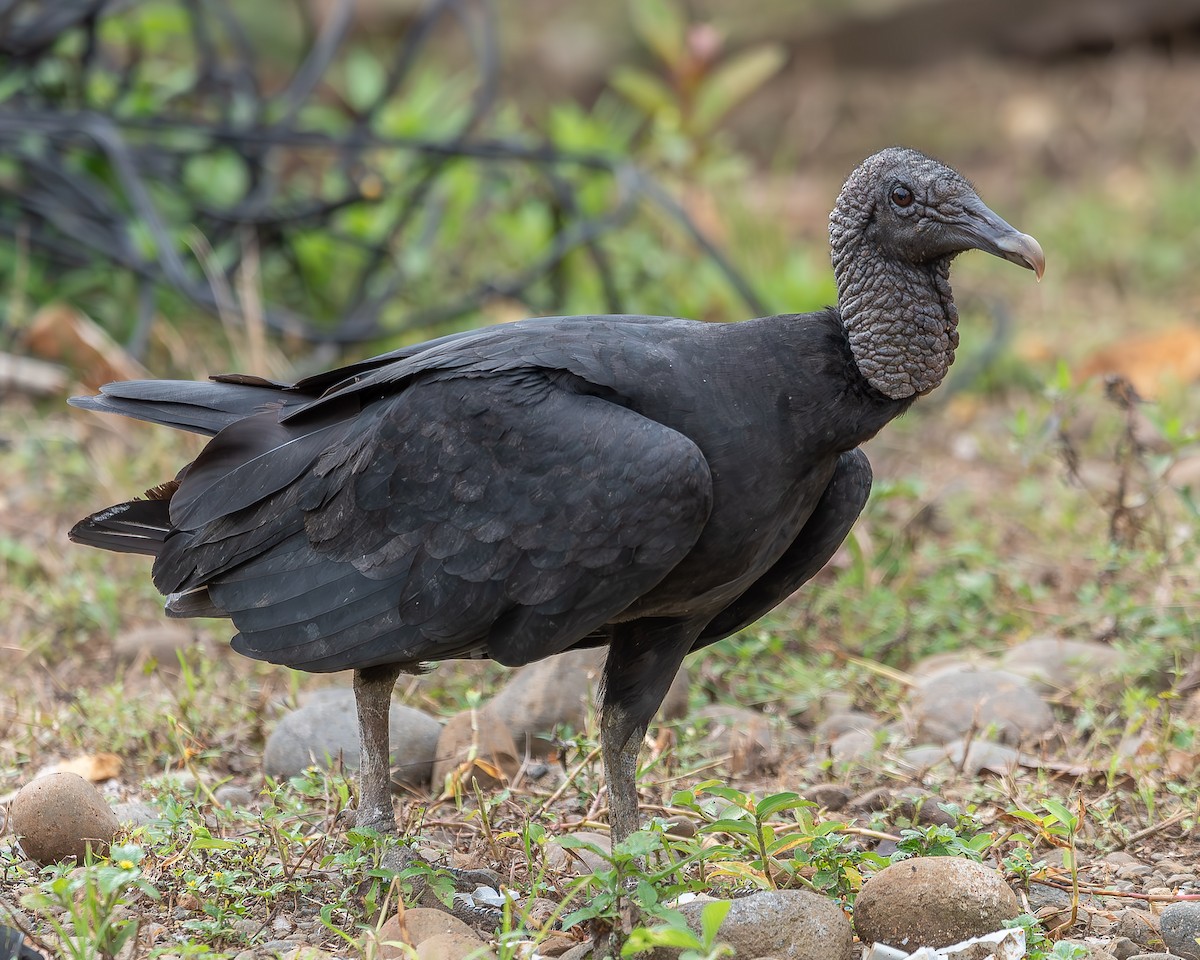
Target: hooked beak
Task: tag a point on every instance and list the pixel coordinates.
(983, 230)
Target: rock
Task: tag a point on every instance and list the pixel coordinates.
(326, 728)
(1142, 927)
(1053, 664)
(744, 735)
(453, 946)
(932, 902)
(59, 816)
(987, 702)
(925, 809)
(829, 796)
(475, 746)
(231, 795)
(135, 814)
(878, 799)
(854, 745)
(846, 721)
(785, 924)
(955, 704)
(1123, 948)
(980, 755)
(579, 860)
(161, 642)
(1093, 950)
(1153, 956)
(550, 693)
(420, 924)
(1179, 927)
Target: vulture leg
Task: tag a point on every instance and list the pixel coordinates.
(643, 658)
(373, 697)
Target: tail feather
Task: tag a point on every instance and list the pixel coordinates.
(137, 526)
(193, 405)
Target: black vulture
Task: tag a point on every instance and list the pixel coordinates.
(648, 483)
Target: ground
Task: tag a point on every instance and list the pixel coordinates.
(1022, 500)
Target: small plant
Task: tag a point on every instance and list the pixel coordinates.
(87, 906)
(940, 840)
(675, 933)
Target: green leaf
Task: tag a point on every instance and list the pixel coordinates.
(644, 90)
(741, 828)
(733, 81)
(639, 844)
(641, 939)
(769, 806)
(1061, 813)
(659, 24)
(365, 79)
(711, 918)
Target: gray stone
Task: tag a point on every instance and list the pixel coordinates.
(847, 721)
(326, 728)
(830, 796)
(231, 795)
(1140, 926)
(785, 924)
(1053, 664)
(971, 758)
(135, 813)
(579, 860)
(745, 736)
(855, 745)
(1179, 926)
(557, 692)
(932, 902)
(959, 703)
(59, 816)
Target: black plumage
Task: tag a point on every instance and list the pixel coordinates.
(648, 483)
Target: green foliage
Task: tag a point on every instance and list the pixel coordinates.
(81, 903)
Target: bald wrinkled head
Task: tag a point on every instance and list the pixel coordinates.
(900, 218)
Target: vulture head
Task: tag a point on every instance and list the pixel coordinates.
(900, 218)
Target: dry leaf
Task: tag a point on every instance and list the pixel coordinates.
(1149, 359)
(63, 334)
(92, 766)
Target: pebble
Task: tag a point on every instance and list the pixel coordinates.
(845, 721)
(231, 795)
(1140, 926)
(579, 860)
(854, 745)
(546, 695)
(453, 946)
(326, 728)
(829, 796)
(783, 924)
(955, 703)
(925, 809)
(475, 746)
(420, 924)
(1053, 664)
(932, 902)
(59, 815)
(135, 813)
(1179, 926)
(744, 735)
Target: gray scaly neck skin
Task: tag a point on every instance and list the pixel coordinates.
(899, 316)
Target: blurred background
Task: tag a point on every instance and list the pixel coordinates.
(330, 174)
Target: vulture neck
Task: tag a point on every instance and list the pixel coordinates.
(900, 320)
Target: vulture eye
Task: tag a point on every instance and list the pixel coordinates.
(901, 196)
